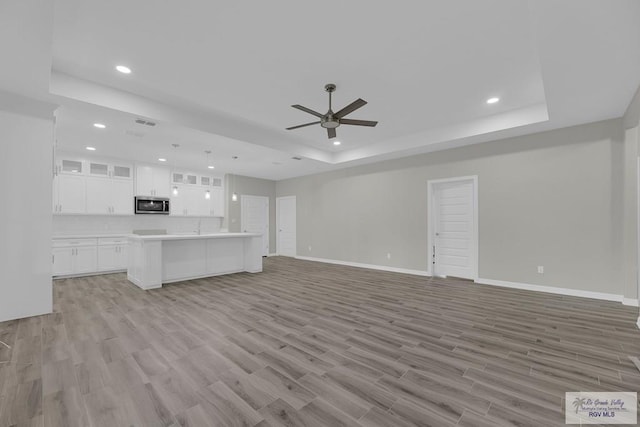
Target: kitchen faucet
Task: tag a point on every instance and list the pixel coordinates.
(199, 227)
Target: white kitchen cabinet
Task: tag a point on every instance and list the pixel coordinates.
(177, 206)
(190, 201)
(121, 172)
(202, 205)
(121, 197)
(98, 196)
(109, 170)
(71, 166)
(107, 196)
(112, 253)
(86, 260)
(62, 261)
(217, 201)
(74, 256)
(152, 181)
(69, 194)
(107, 257)
(90, 255)
(184, 178)
(98, 169)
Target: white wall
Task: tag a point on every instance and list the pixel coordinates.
(553, 199)
(26, 147)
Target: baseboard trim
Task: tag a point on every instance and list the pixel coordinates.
(93, 273)
(551, 290)
(272, 254)
(369, 266)
(491, 282)
(25, 315)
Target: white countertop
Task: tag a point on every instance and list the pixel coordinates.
(88, 236)
(191, 236)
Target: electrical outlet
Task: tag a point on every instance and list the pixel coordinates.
(540, 269)
(309, 248)
(388, 255)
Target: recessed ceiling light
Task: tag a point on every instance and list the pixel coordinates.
(211, 167)
(123, 69)
(99, 125)
(493, 100)
(91, 148)
(336, 142)
(162, 159)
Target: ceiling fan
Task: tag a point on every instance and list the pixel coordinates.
(330, 121)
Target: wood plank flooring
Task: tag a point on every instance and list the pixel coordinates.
(310, 344)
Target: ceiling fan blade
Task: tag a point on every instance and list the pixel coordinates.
(350, 108)
(301, 126)
(358, 122)
(331, 132)
(307, 110)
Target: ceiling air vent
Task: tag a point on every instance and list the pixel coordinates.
(145, 122)
(296, 158)
(134, 133)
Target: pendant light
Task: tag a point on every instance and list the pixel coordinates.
(234, 195)
(174, 191)
(207, 193)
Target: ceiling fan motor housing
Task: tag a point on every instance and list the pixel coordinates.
(329, 122)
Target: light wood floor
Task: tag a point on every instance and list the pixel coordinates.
(310, 344)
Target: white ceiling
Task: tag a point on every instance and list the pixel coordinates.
(224, 74)
(123, 138)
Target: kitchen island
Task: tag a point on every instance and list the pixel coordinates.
(166, 258)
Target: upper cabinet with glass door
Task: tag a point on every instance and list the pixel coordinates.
(110, 170)
(184, 178)
(71, 165)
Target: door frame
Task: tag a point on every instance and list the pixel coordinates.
(278, 199)
(244, 197)
(431, 184)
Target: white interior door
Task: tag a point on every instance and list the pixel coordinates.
(286, 216)
(255, 218)
(454, 229)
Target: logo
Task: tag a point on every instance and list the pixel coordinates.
(601, 408)
(578, 403)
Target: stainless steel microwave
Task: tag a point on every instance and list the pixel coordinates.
(151, 205)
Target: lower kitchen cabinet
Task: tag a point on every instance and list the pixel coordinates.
(85, 256)
(112, 254)
(74, 256)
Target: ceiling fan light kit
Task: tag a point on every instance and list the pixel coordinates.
(330, 121)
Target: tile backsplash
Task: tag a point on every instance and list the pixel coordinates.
(98, 224)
